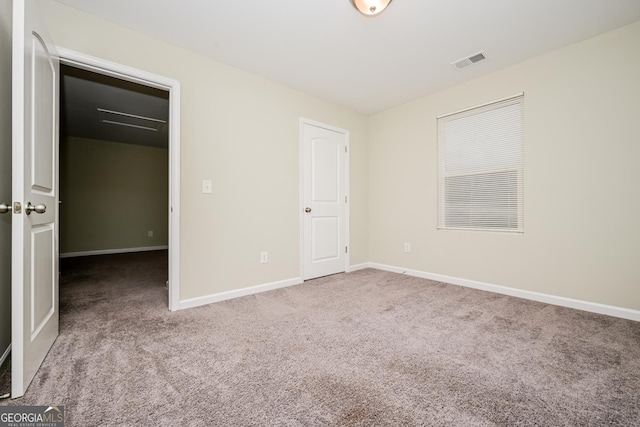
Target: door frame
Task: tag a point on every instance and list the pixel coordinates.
(304, 121)
(124, 72)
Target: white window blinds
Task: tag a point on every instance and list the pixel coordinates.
(480, 170)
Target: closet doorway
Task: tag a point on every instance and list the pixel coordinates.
(119, 174)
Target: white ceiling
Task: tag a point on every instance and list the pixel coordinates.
(328, 49)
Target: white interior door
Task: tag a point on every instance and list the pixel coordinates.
(34, 238)
(324, 201)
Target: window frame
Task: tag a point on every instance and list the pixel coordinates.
(517, 166)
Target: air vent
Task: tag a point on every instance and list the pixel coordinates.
(469, 60)
(130, 120)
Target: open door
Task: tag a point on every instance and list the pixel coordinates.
(34, 240)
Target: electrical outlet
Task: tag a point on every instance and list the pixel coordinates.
(150, 233)
(264, 257)
(206, 186)
(407, 247)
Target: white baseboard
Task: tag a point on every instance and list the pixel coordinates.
(5, 355)
(113, 251)
(624, 313)
(358, 267)
(222, 296)
(609, 310)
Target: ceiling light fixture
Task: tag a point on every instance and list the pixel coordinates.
(130, 120)
(370, 7)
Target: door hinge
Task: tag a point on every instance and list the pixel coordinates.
(345, 148)
(345, 199)
(17, 208)
(346, 250)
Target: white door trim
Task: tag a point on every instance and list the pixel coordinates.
(304, 121)
(101, 66)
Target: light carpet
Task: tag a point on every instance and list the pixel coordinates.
(358, 349)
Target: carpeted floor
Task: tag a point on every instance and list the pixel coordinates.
(359, 349)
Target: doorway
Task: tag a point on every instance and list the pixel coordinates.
(162, 228)
(113, 170)
(34, 176)
(324, 177)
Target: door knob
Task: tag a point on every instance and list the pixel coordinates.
(37, 208)
(4, 208)
(307, 210)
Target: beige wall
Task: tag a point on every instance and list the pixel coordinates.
(5, 173)
(112, 194)
(582, 194)
(242, 132)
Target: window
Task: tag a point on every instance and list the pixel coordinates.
(480, 167)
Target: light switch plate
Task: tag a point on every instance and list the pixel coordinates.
(206, 186)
